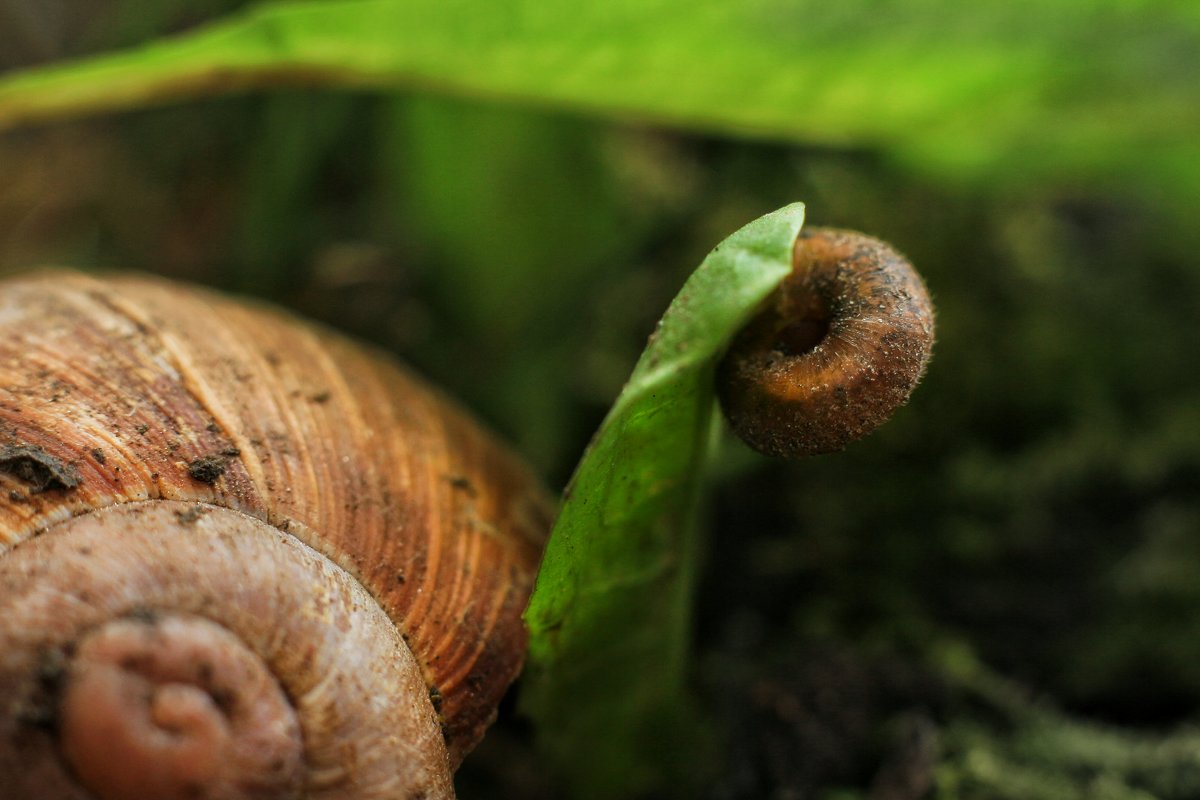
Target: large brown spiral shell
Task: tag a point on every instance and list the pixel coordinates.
(124, 390)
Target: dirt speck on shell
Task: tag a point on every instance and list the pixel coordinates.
(37, 468)
(207, 469)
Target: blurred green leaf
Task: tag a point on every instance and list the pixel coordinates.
(518, 217)
(295, 135)
(1065, 85)
(610, 617)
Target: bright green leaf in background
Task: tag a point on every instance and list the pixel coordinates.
(1078, 87)
(610, 616)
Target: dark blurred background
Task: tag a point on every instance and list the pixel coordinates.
(1033, 515)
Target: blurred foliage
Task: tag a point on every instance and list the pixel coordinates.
(999, 88)
(1035, 509)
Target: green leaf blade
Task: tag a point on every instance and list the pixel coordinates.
(959, 88)
(610, 617)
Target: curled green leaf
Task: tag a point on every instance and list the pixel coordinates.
(611, 614)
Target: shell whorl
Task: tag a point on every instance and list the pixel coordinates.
(165, 649)
(120, 391)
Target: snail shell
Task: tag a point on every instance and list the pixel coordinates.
(240, 556)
